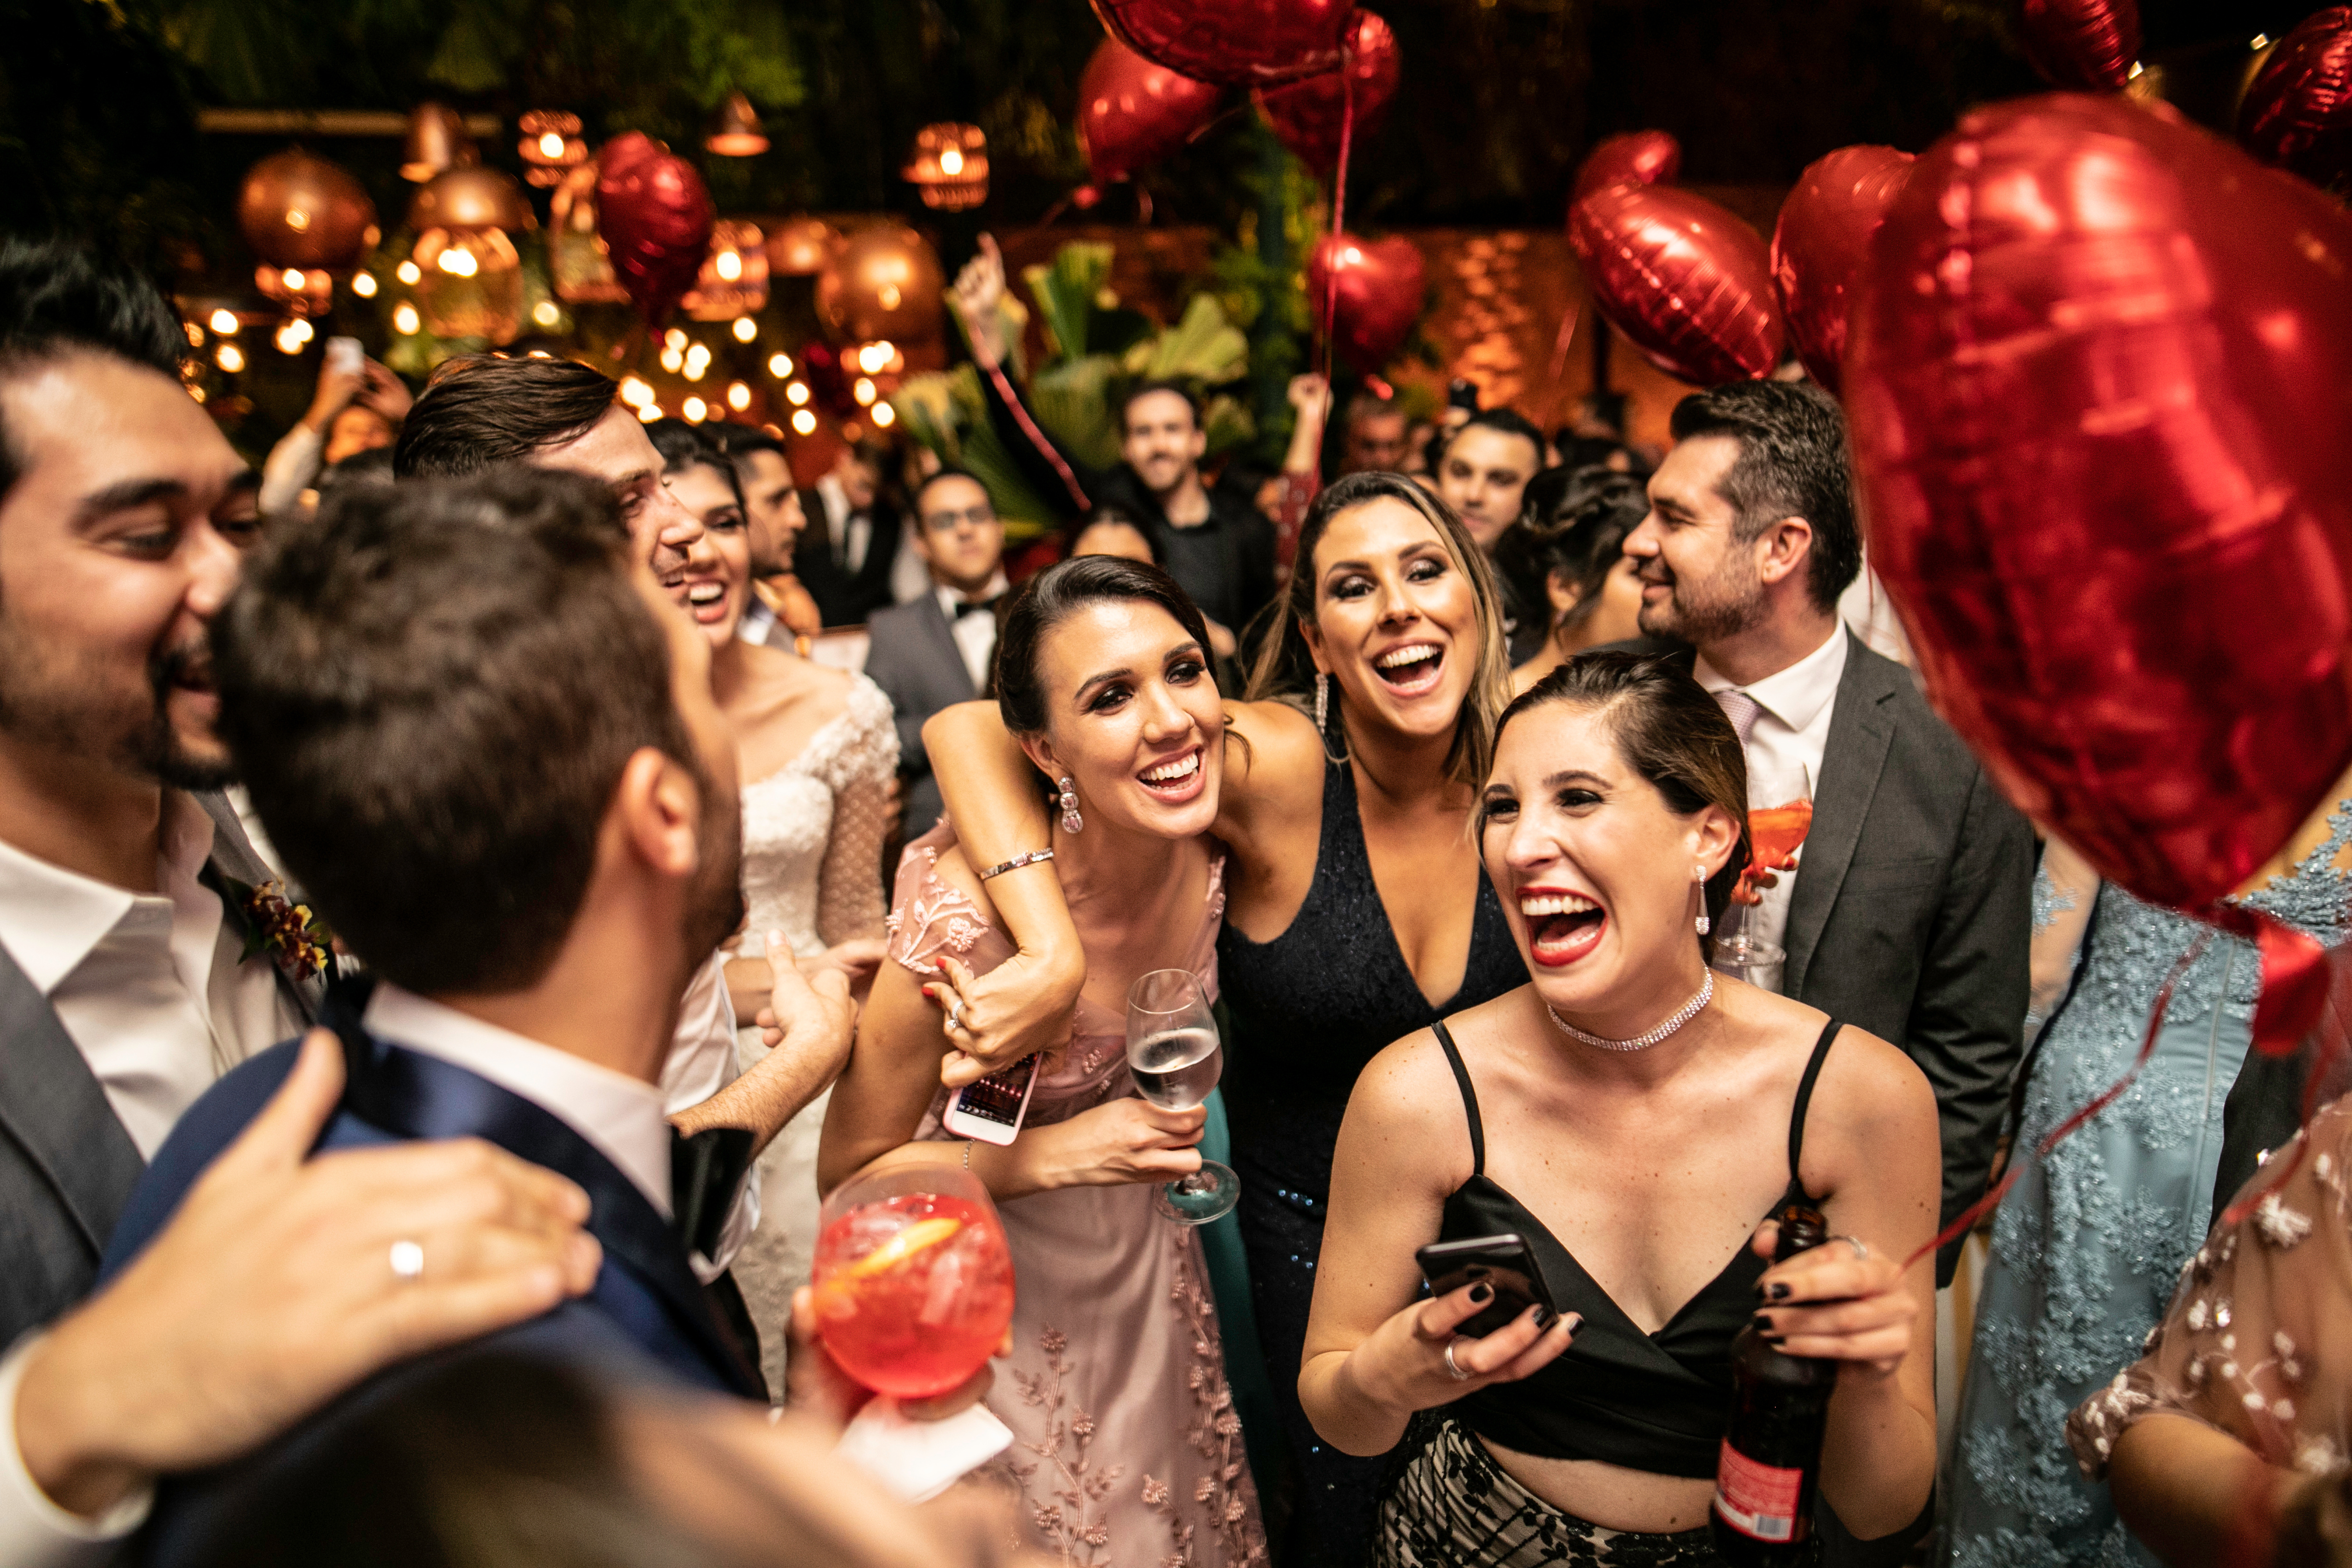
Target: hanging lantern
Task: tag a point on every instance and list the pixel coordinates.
(576, 258)
(949, 166)
(303, 292)
(436, 142)
(885, 283)
(801, 247)
(469, 282)
(733, 280)
(550, 145)
(736, 134)
(300, 212)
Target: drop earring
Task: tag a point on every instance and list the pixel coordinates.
(1071, 821)
(1322, 703)
(1698, 875)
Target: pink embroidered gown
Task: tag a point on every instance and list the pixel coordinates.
(1127, 1450)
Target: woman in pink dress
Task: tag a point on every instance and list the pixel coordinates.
(1126, 1446)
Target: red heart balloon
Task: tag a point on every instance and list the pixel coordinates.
(2297, 112)
(2098, 392)
(1233, 43)
(1687, 283)
(2087, 44)
(1820, 243)
(1633, 158)
(1306, 115)
(1377, 297)
(1133, 113)
(656, 218)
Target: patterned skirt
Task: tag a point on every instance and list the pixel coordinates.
(1451, 1505)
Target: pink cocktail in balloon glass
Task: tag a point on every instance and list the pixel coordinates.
(913, 1279)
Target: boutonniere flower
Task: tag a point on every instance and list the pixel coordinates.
(296, 938)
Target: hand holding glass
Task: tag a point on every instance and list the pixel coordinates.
(1174, 1053)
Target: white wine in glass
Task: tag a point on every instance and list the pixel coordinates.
(1174, 1053)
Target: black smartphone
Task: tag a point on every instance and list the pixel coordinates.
(1504, 1261)
(1463, 394)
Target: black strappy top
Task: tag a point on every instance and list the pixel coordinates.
(1659, 1402)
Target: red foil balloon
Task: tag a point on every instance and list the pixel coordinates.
(2297, 113)
(1687, 283)
(1306, 115)
(1133, 113)
(2098, 392)
(1634, 158)
(1818, 245)
(1233, 43)
(2086, 44)
(656, 218)
(1377, 296)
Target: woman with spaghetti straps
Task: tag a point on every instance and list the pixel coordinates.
(1357, 910)
(1626, 1112)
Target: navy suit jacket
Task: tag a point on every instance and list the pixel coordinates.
(645, 1318)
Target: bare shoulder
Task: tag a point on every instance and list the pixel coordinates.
(1406, 1113)
(1872, 1120)
(1277, 747)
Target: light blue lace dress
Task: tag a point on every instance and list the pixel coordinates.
(2087, 1246)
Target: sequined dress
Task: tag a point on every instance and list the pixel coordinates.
(2087, 1246)
(1127, 1447)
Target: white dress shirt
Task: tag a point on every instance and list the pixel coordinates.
(975, 634)
(851, 532)
(752, 626)
(1790, 736)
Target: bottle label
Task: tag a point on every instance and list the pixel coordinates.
(1757, 1500)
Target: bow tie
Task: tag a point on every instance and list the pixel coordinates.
(977, 606)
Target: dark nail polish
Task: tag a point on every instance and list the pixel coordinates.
(1575, 1322)
(1546, 1318)
(1763, 1320)
(1780, 1292)
(1482, 1292)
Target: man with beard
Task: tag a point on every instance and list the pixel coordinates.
(140, 955)
(499, 759)
(1909, 909)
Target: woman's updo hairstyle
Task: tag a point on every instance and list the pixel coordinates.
(1051, 597)
(1574, 525)
(1669, 731)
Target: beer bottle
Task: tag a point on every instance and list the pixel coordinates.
(1769, 1467)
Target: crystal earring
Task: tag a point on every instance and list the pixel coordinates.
(1322, 703)
(1071, 821)
(1698, 875)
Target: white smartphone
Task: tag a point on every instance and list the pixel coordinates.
(344, 355)
(991, 1111)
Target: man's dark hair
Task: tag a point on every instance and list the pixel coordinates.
(58, 299)
(947, 472)
(739, 441)
(1146, 388)
(1793, 462)
(480, 410)
(1509, 422)
(432, 695)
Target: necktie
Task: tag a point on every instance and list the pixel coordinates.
(1742, 710)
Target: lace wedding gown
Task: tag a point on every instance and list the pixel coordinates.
(813, 834)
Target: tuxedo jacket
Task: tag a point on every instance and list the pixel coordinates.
(1912, 909)
(913, 657)
(67, 1165)
(846, 598)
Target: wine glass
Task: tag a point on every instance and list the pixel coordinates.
(913, 1279)
(1774, 833)
(1174, 1053)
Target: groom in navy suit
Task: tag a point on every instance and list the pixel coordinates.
(486, 745)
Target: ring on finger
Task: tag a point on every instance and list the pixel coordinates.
(1451, 1366)
(1861, 1248)
(407, 1260)
(955, 1014)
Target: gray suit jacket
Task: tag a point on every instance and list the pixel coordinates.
(1912, 909)
(67, 1166)
(915, 660)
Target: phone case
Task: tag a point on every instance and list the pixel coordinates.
(991, 1110)
(1504, 1261)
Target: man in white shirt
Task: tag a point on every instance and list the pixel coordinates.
(530, 912)
(129, 973)
(856, 556)
(1908, 912)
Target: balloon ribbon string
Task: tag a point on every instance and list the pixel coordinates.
(1338, 204)
(2106, 1097)
(1037, 437)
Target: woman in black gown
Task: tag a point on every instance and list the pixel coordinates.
(1358, 912)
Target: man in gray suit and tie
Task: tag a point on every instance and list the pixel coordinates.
(934, 651)
(1909, 911)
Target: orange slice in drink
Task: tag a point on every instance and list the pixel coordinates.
(923, 1233)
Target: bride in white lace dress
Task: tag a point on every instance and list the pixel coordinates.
(819, 756)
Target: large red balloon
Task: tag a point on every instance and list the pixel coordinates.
(1133, 113)
(655, 215)
(1377, 297)
(2297, 112)
(2086, 44)
(1233, 43)
(1633, 158)
(2098, 392)
(1306, 115)
(1687, 283)
(1818, 245)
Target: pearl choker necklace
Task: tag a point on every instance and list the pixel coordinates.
(1689, 1010)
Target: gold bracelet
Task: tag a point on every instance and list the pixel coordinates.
(1034, 857)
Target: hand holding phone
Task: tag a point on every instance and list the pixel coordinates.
(344, 356)
(991, 1110)
(1504, 1261)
